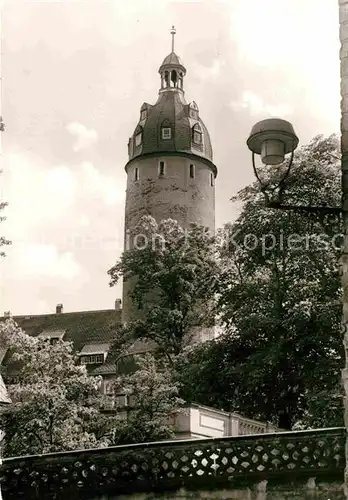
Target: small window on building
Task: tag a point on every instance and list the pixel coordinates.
(166, 133)
(197, 134)
(143, 114)
(93, 359)
(192, 171)
(211, 179)
(136, 174)
(161, 168)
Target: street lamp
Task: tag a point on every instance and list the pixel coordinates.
(272, 139)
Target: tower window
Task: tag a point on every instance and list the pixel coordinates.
(143, 114)
(136, 174)
(192, 171)
(211, 179)
(161, 168)
(166, 133)
(197, 134)
(138, 138)
(194, 111)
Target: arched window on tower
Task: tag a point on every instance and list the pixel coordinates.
(174, 78)
(197, 134)
(166, 79)
(138, 136)
(193, 111)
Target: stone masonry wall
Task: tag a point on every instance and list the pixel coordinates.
(297, 491)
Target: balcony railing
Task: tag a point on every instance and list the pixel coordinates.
(88, 474)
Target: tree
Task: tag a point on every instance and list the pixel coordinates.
(279, 302)
(154, 402)
(174, 274)
(55, 404)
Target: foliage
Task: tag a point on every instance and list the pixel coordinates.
(55, 404)
(279, 302)
(154, 401)
(174, 274)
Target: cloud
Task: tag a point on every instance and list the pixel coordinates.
(84, 137)
(273, 36)
(36, 193)
(100, 185)
(45, 260)
(207, 72)
(257, 106)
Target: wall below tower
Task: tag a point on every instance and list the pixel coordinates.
(174, 195)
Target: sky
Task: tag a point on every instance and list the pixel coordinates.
(74, 75)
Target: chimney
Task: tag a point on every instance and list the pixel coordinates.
(7, 314)
(118, 304)
(59, 308)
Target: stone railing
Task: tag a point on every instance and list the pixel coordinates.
(249, 426)
(93, 474)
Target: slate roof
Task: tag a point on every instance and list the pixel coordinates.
(172, 59)
(81, 328)
(91, 332)
(170, 110)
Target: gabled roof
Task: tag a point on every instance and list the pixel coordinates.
(95, 348)
(52, 334)
(81, 328)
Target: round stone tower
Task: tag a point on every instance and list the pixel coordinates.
(170, 172)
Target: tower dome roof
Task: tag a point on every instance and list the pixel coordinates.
(172, 60)
(169, 126)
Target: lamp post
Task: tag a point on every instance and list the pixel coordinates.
(272, 139)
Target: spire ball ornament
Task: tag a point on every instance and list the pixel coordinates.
(272, 139)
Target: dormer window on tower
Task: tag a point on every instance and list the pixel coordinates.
(138, 136)
(143, 112)
(197, 134)
(193, 111)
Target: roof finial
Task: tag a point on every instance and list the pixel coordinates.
(173, 31)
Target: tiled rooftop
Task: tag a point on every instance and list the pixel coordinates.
(85, 328)
(81, 328)
(91, 332)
